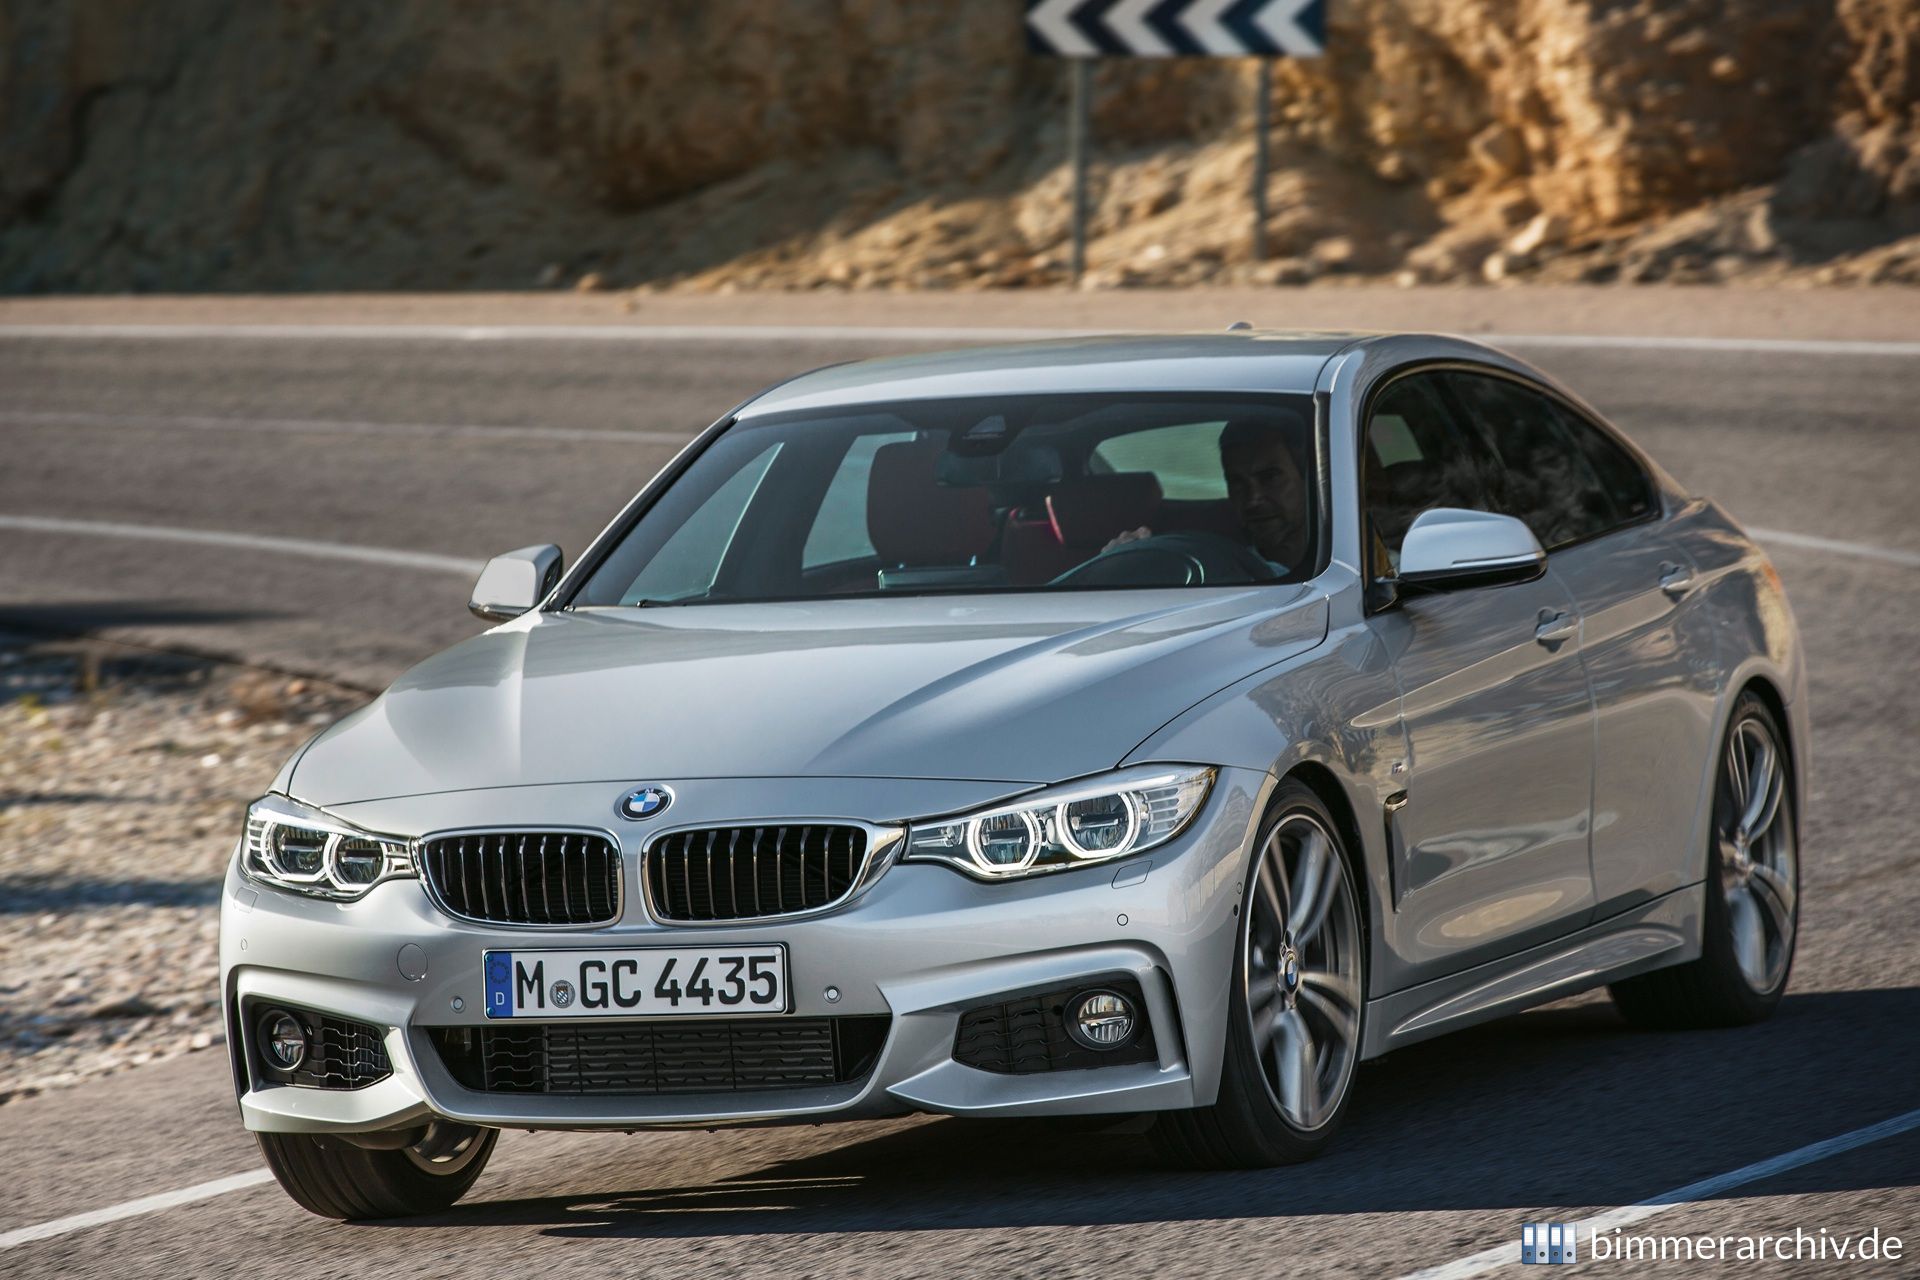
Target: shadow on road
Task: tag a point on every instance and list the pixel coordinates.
(22, 896)
(86, 618)
(45, 654)
(1565, 1106)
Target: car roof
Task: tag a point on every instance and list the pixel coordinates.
(1237, 360)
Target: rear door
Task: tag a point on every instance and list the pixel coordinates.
(1488, 844)
(1597, 511)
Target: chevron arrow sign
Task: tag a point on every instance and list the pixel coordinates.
(1177, 28)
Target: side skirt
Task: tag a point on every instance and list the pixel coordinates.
(1653, 935)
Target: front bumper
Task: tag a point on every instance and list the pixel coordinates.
(923, 944)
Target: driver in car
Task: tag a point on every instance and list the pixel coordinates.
(1265, 489)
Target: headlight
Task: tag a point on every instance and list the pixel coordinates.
(1096, 820)
(292, 846)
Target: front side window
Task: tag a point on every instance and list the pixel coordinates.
(1417, 458)
(687, 558)
(1051, 492)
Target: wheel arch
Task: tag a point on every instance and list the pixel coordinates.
(1331, 792)
(1769, 687)
(1322, 782)
(1764, 687)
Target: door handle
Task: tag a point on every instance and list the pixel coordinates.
(1675, 580)
(1555, 627)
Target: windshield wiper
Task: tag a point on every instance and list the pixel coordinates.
(647, 603)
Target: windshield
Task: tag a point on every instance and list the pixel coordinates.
(1028, 493)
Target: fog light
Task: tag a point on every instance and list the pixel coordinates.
(283, 1041)
(1100, 1019)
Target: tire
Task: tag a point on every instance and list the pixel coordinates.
(1249, 1126)
(334, 1178)
(1753, 883)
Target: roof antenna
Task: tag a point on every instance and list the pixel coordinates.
(1237, 325)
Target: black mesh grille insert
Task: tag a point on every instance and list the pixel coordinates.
(526, 877)
(1029, 1033)
(340, 1054)
(738, 873)
(704, 1056)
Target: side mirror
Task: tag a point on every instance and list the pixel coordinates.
(515, 582)
(1447, 549)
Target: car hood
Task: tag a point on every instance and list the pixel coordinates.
(1022, 688)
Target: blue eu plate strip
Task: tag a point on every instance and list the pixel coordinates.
(499, 984)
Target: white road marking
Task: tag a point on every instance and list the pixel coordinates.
(1459, 1269)
(1866, 551)
(133, 1208)
(333, 426)
(1740, 346)
(347, 551)
(453, 564)
(1508, 1254)
(870, 333)
(428, 430)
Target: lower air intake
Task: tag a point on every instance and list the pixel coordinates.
(638, 1058)
(341, 1054)
(1027, 1034)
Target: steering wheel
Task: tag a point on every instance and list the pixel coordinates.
(1170, 559)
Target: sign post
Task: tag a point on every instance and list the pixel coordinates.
(1262, 95)
(1081, 30)
(1079, 109)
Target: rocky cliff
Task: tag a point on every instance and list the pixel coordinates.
(222, 144)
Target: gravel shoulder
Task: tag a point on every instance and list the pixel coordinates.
(123, 774)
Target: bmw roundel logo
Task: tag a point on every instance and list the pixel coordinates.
(645, 802)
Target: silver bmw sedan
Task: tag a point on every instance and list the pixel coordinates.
(1131, 727)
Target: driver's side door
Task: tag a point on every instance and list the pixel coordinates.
(1488, 841)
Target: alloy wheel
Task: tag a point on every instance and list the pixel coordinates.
(1302, 949)
(1759, 871)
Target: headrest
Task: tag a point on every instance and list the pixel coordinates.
(914, 520)
(1399, 492)
(1088, 512)
(1399, 478)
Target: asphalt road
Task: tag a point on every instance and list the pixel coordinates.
(459, 449)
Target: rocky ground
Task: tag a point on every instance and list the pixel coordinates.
(1184, 219)
(123, 775)
(706, 146)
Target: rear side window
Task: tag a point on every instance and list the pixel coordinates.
(1626, 482)
(1185, 459)
(1547, 478)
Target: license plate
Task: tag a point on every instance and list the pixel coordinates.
(636, 982)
